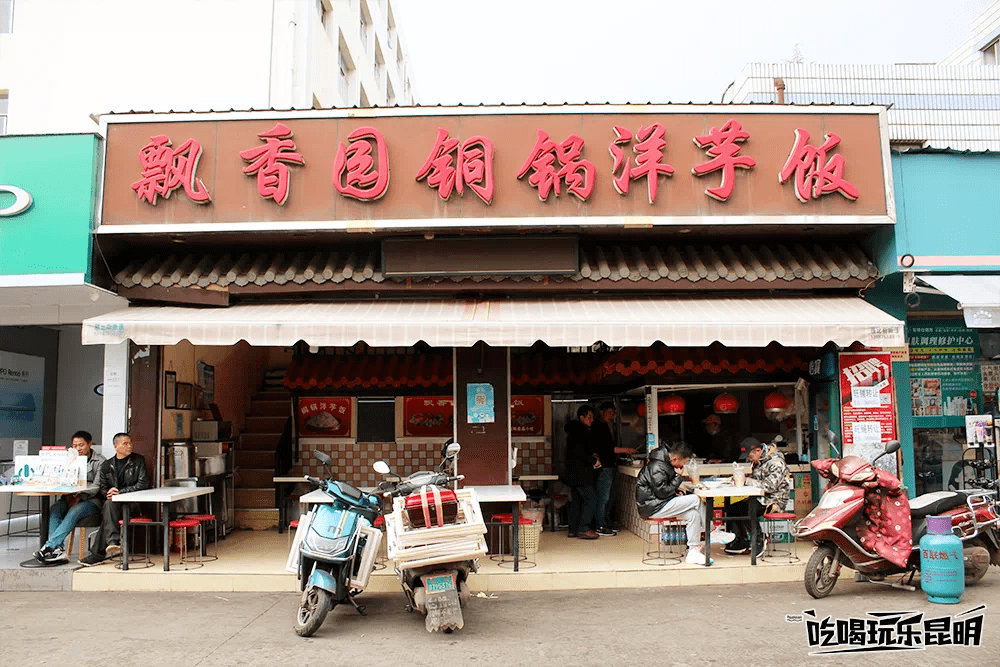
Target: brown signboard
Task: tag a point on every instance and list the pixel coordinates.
(499, 167)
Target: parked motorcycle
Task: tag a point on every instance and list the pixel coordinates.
(841, 526)
(435, 536)
(337, 551)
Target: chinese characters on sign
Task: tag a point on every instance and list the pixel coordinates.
(892, 631)
(361, 164)
(324, 417)
(944, 378)
(428, 416)
(866, 402)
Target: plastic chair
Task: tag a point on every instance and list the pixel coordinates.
(779, 551)
(664, 541)
(135, 560)
(183, 525)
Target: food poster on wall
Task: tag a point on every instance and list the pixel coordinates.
(428, 416)
(22, 396)
(324, 417)
(480, 403)
(527, 416)
(944, 369)
(868, 416)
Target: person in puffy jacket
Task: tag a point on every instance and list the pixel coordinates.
(579, 474)
(661, 491)
(770, 473)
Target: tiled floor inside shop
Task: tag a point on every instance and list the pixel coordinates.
(255, 561)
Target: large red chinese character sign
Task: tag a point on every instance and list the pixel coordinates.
(266, 162)
(721, 144)
(578, 174)
(814, 174)
(648, 161)
(355, 173)
(452, 166)
(164, 169)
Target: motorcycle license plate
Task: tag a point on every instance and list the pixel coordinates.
(443, 582)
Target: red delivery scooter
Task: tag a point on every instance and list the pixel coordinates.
(865, 521)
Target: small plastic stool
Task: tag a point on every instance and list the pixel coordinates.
(498, 521)
(664, 541)
(527, 540)
(292, 526)
(183, 525)
(137, 561)
(380, 559)
(203, 519)
(779, 552)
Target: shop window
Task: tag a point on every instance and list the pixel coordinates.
(376, 419)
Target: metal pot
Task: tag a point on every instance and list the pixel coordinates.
(180, 460)
(209, 466)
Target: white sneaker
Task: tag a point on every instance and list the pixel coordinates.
(722, 537)
(696, 557)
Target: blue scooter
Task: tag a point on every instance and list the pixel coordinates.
(333, 551)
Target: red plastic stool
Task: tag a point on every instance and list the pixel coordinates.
(137, 561)
(772, 552)
(527, 540)
(380, 559)
(203, 519)
(183, 525)
(500, 520)
(664, 541)
(292, 525)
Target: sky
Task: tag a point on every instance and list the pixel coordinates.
(556, 51)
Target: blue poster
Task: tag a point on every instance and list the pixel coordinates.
(481, 403)
(22, 395)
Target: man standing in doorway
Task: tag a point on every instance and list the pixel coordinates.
(71, 508)
(579, 474)
(124, 472)
(607, 449)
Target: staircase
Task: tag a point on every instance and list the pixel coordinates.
(254, 462)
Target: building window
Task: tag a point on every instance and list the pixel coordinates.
(366, 24)
(344, 81)
(4, 100)
(6, 17)
(990, 53)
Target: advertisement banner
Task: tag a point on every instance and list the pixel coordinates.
(428, 416)
(868, 416)
(527, 416)
(320, 417)
(22, 397)
(944, 369)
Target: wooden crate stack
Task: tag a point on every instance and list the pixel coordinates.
(413, 547)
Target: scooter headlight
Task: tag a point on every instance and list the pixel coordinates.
(835, 498)
(325, 545)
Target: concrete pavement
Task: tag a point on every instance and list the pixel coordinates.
(674, 627)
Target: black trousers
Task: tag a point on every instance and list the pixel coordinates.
(741, 527)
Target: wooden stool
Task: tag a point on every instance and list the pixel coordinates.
(80, 533)
(183, 525)
(664, 541)
(137, 561)
(774, 553)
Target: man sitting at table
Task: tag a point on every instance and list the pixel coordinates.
(770, 473)
(661, 492)
(71, 508)
(123, 473)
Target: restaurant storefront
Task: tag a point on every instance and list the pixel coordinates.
(509, 270)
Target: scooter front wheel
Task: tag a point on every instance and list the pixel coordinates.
(821, 576)
(313, 608)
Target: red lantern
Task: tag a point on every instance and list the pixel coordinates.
(641, 409)
(725, 404)
(775, 404)
(671, 405)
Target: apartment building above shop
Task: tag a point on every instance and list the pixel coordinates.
(951, 104)
(125, 55)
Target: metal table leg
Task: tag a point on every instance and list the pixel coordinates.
(708, 530)
(166, 536)
(282, 507)
(124, 535)
(754, 529)
(515, 512)
(43, 526)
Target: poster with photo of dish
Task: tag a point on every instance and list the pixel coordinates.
(428, 416)
(324, 417)
(527, 416)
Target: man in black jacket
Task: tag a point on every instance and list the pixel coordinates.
(122, 473)
(579, 474)
(661, 491)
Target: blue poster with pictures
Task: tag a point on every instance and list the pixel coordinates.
(481, 403)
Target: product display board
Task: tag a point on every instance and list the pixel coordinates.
(945, 378)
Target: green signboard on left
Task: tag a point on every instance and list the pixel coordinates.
(48, 186)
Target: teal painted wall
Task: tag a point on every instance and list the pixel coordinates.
(60, 173)
(947, 205)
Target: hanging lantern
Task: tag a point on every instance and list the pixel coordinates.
(671, 405)
(775, 404)
(725, 404)
(641, 409)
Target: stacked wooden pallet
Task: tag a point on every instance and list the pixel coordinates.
(413, 547)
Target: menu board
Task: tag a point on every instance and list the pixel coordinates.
(867, 411)
(319, 417)
(428, 416)
(527, 416)
(944, 372)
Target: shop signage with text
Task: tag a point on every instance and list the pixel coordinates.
(868, 412)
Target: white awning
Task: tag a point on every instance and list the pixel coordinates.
(977, 296)
(693, 322)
